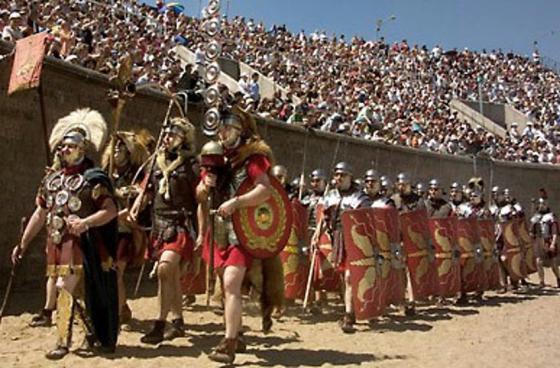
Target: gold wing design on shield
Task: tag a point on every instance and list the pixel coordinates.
(366, 283)
(417, 238)
(465, 244)
(443, 241)
(510, 236)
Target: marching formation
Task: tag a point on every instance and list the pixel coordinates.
(228, 222)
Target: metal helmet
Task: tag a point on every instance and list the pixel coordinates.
(386, 183)
(434, 183)
(403, 178)
(212, 154)
(280, 173)
(475, 193)
(295, 182)
(495, 189)
(343, 167)
(420, 188)
(318, 174)
(455, 186)
(371, 174)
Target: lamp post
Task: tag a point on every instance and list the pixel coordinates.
(379, 23)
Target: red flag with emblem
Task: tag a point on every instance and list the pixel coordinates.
(370, 288)
(28, 63)
(386, 225)
(472, 268)
(443, 235)
(294, 262)
(420, 255)
(488, 241)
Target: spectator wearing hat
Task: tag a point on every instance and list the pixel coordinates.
(13, 31)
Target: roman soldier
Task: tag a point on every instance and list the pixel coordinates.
(344, 196)
(494, 208)
(456, 196)
(248, 158)
(171, 190)
(474, 208)
(318, 183)
(504, 213)
(405, 201)
(77, 204)
(544, 228)
(129, 153)
(437, 206)
(420, 190)
(372, 188)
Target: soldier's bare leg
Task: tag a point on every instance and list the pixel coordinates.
(124, 312)
(554, 266)
(232, 281)
(64, 316)
(347, 322)
(410, 304)
(45, 317)
(540, 271)
(169, 291)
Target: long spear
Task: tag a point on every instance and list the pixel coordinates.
(9, 287)
(316, 234)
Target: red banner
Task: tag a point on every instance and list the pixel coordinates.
(443, 234)
(420, 256)
(369, 286)
(28, 63)
(486, 230)
(295, 264)
(472, 268)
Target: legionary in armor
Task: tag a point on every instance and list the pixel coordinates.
(372, 188)
(475, 207)
(345, 195)
(171, 189)
(129, 153)
(544, 228)
(318, 183)
(437, 206)
(504, 212)
(247, 157)
(420, 190)
(456, 196)
(76, 202)
(405, 199)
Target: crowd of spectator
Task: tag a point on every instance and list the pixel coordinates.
(394, 93)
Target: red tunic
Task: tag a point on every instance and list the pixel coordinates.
(234, 254)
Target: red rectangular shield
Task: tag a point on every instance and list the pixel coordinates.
(486, 230)
(369, 286)
(294, 263)
(325, 275)
(420, 255)
(387, 236)
(28, 63)
(512, 251)
(472, 268)
(528, 246)
(444, 238)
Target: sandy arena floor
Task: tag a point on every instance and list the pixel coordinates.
(509, 330)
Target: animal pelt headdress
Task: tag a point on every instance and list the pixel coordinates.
(138, 152)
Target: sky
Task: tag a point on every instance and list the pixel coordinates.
(511, 25)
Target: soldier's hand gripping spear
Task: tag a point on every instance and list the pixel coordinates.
(13, 271)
